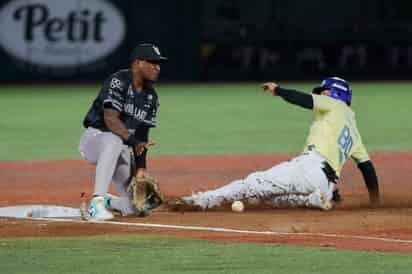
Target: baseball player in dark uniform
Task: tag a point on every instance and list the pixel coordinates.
(119, 120)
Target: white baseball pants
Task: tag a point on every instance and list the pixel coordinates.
(294, 183)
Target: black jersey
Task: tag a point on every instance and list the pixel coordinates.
(137, 110)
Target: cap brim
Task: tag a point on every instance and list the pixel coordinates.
(163, 59)
(160, 59)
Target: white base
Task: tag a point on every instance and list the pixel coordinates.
(39, 211)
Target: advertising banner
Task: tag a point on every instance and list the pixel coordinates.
(59, 39)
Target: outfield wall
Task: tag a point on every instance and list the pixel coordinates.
(84, 40)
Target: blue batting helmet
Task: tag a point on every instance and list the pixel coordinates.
(339, 89)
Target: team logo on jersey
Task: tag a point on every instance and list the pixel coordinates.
(137, 113)
(115, 83)
(149, 97)
(140, 114)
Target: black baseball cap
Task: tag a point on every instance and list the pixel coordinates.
(148, 52)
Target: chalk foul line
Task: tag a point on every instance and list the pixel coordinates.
(225, 230)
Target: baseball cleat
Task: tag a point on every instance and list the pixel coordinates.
(107, 199)
(325, 203)
(97, 210)
(319, 199)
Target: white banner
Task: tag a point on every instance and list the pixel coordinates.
(60, 33)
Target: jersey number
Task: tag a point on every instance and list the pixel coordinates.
(345, 142)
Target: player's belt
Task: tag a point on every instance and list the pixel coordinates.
(329, 172)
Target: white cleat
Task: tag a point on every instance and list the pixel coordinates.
(107, 200)
(97, 210)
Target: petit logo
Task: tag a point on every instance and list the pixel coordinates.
(60, 33)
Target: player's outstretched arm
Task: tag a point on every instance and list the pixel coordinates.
(371, 181)
(292, 96)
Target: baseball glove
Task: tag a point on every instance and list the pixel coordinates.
(145, 194)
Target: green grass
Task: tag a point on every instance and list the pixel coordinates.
(44, 122)
(155, 255)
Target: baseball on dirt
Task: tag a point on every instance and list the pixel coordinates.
(238, 206)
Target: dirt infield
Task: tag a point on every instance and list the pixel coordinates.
(61, 182)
